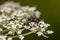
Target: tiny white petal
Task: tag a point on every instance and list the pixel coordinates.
(43, 29)
(21, 37)
(24, 20)
(39, 33)
(8, 27)
(10, 32)
(32, 9)
(27, 27)
(19, 32)
(9, 38)
(41, 25)
(2, 37)
(50, 32)
(33, 29)
(1, 29)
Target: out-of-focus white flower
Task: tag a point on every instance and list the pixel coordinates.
(8, 28)
(1, 20)
(19, 32)
(50, 32)
(22, 23)
(16, 21)
(27, 27)
(24, 20)
(4, 25)
(32, 9)
(33, 29)
(20, 26)
(21, 37)
(43, 29)
(8, 10)
(11, 23)
(39, 33)
(46, 25)
(13, 26)
(9, 38)
(25, 8)
(43, 24)
(37, 13)
(10, 32)
(1, 29)
(11, 4)
(8, 18)
(32, 24)
(2, 37)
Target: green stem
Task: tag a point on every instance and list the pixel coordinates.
(4, 31)
(24, 34)
(44, 36)
(27, 33)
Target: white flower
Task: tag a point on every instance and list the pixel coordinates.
(39, 33)
(11, 23)
(1, 29)
(2, 37)
(14, 13)
(8, 10)
(25, 8)
(43, 29)
(27, 27)
(11, 4)
(37, 14)
(19, 32)
(33, 29)
(0, 20)
(16, 21)
(13, 26)
(10, 32)
(9, 38)
(8, 27)
(32, 9)
(22, 14)
(4, 25)
(8, 18)
(22, 23)
(50, 32)
(21, 37)
(43, 24)
(20, 26)
(24, 20)
(32, 24)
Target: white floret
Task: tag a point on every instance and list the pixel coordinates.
(2, 37)
(39, 33)
(9, 38)
(50, 32)
(21, 37)
(1, 29)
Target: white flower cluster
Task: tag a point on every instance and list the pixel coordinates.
(15, 18)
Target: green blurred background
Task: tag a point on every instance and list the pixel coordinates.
(50, 10)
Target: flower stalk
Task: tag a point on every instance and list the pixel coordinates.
(23, 34)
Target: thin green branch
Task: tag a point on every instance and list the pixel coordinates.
(23, 34)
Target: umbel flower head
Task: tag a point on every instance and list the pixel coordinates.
(14, 19)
